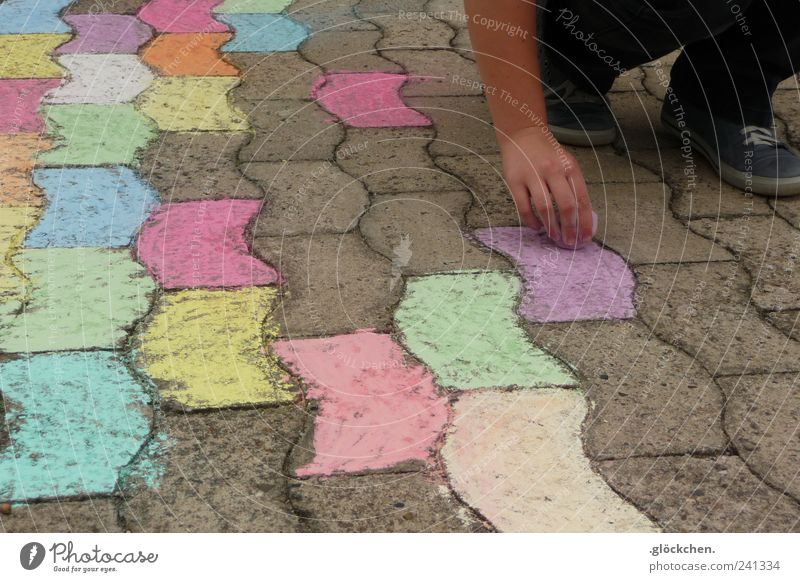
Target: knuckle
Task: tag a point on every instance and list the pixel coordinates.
(547, 166)
(569, 207)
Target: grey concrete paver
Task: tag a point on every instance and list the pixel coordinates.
(646, 396)
(223, 473)
(705, 310)
(89, 516)
(691, 494)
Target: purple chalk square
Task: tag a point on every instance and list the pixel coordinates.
(105, 34)
(564, 285)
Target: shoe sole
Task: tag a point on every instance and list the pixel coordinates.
(580, 137)
(729, 174)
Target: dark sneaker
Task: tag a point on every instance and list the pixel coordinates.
(575, 117)
(748, 157)
(578, 118)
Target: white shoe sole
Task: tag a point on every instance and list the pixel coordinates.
(584, 138)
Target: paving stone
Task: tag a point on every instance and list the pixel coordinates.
(561, 284)
(5, 427)
(769, 249)
(335, 284)
(391, 160)
(16, 166)
(101, 79)
(209, 348)
(105, 6)
(177, 16)
(30, 56)
(347, 51)
(15, 222)
(263, 32)
(223, 473)
(83, 136)
(421, 232)
(405, 502)
(189, 54)
(203, 244)
(22, 17)
(691, 495)
(78, 420)
(449, 11)
(105, 34)
(97, 515)
(436, 72)
(463, 44)
(656, 79)
(762, 414)
(492, 203)
(635, 221)
(517, 458)
(463, 124)
(98, 294)
(306, 198)
(631, 80)
(413, 31)
(331, 15)
(646, 397)
(787, 208)
(366, 100)
(91, 207)
(464, 327)
(790, 84)
(377, 409)
(284, 75)
(201, 165)
(786, 321)
(786, 105)
(704, 309)
(369, 8)
(192, 104)
(697, 190)
(638, 118)
(23, 98)
(289, 130)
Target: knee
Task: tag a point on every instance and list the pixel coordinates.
(712, 17)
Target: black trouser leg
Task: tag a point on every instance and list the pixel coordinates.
(733, 68)
(736, 73)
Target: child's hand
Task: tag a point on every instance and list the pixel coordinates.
(547, 185)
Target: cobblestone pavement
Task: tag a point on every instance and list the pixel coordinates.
(261, 273)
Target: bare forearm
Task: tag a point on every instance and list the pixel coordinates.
(503, 34)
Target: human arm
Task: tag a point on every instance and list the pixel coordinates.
(545, 180)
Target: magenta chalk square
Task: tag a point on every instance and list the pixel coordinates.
(366, 99)
(189, 245)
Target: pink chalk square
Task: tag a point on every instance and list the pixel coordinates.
(182, 16)
(19, 103)
(375, 409)
(189, 245)
(366, 99)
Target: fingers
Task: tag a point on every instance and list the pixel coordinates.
(574, 207)
(543, 204)
(522, 199)
(585, 219)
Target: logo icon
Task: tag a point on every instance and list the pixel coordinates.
(31, 555)
(402, 256)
